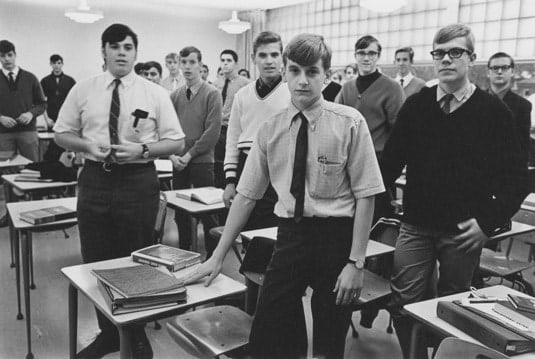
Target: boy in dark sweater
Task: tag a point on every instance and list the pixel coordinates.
(465, 177)
(198, 105)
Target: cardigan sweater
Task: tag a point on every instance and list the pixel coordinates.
(414, 86)
(26, 97)
(461, 165)
(379, 105)
(200, 119)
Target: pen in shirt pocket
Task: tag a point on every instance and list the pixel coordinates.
(139, 114)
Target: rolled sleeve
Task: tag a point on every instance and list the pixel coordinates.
(69, 117)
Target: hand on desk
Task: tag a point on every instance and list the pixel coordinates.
(210, 268)
(348, 285)
(472, 237)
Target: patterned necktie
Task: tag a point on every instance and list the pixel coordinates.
(224, 92)
(401, 82)
(188, 94)
(446, 100)
(113, 124)
(297, 187)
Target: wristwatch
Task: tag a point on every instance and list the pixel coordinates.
(359, 263)
(144, 151)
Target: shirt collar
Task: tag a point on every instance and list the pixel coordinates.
(312, 112)
(15, 72)
(406, 79)
(126, 80)
(460, 94)
(232, 76)
(195, 88)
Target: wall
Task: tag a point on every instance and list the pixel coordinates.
(37, 32)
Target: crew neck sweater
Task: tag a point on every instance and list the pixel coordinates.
(461, 165)
(200, 118)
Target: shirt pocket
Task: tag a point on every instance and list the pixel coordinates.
(327, 176)
(143, 132)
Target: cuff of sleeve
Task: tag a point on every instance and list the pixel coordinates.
(231, 180)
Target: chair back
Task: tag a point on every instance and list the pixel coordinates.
(455, 348)
(160, 219)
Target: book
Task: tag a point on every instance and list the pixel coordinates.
(487, 331)
(23, 178)
(170, 257)
(526, 319)
(47, 215)
(206, 195)
(526, 304)
(119, 304)
(137, 280)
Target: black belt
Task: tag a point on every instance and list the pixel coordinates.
(111, 166)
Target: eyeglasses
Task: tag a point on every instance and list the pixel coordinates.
(496, 69)
(453, 53)
(370, 54)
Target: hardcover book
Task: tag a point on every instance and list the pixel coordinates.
(172, 258)
(137, 280)
(206, 195)
(522, 303)
(47, 215)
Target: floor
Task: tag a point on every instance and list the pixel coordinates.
(52, 251)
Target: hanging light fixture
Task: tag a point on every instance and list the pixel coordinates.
(234, 25)
(383, 5)
(83, 13)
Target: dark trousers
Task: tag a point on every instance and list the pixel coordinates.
(116, 214)
(417, 250)
(194, 175)
(219, 157)
(310, 253)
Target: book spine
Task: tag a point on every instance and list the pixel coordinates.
(152, 263)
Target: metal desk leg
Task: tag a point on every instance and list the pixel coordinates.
(26, 279)
(17, 270)
(125, 335)
(73, 320)
(415, 332)
(194, 230)
(7, 196)
(30, 258)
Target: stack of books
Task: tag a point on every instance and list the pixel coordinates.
(27, 175)
(139, 287)
(47, 215)
(170, 257)
(206, 195)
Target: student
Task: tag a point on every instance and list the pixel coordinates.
(465, 178)
(244, 73)
(500, 73)
(205, 71)
(139, 69)
(411, 84)
(153, 71)
(198, 106)
(175, 79)
(118, 189)
(253, 104)
(350, 72)
(230, 83)
(320, 159)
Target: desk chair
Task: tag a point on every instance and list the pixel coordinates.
(211, 332)
(216, 234)
(455, 348)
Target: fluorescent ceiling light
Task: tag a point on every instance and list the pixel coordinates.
(234, 25)
(383, 5)
(83, 13)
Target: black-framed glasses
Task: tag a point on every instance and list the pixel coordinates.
(453, 53)
(496, 69)
(370, 54)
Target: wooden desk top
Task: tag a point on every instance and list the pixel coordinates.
(374, 248)
(426, 312)
(46, 135)
(191, 207)
(34, 186)
(15, 208)
(80, 277)
(16, 161)
(517, 228)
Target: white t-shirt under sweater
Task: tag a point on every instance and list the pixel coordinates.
(248, 113)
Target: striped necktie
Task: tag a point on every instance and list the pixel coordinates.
(113, 124)
(446, 100)
(297, 187)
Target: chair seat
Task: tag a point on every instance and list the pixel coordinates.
(497, 265)
(210, 332)
(375, 288)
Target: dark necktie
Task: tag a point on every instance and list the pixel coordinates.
(113, 125)
(224, 92)
(11, 80)
(188, 94)
(401, 82)
(297, 187)
(446, 100)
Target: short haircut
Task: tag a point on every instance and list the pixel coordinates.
(139, 68)
(246, 72)
(406, 49)
(306, 50)
(500, 55)
(231, 53)
(6, 46)
(366, 41)
(55, 58)
(117, 33)
(188, 50)
(266, 37)
(454, 31)
(204, 66)
(155, 64)
(351, 66)
(171, 55)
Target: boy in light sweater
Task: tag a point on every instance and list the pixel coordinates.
(198, 105)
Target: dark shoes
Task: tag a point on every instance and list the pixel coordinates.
(141, 348)
(102, 345)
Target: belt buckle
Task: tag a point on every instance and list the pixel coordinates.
(106, 166)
